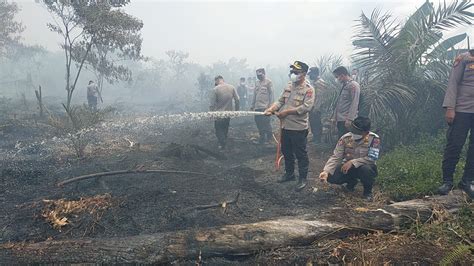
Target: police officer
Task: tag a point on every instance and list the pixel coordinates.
(347, 105)
(292, 108)
(315, 114)
(92, 95)
(242, 90)
(459, 105)
(354, 158)
(221, 100)
(262, 99)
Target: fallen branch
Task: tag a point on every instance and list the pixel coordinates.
(224, 204)
(121, 172)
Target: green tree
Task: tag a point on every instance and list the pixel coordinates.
(405, 66)
(10, 30)
(89, 25)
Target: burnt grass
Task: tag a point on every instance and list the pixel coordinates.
(150, 203)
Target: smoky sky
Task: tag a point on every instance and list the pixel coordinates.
(264, 32)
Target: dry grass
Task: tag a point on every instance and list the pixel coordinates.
(58, 212)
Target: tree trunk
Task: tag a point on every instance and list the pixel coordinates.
(229, 240)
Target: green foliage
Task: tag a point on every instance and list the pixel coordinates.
(457, 254)
(9, 29)
(404, 67)
(415, 170)
(91, 30)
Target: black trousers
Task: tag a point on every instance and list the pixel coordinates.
(263, 124)
(316, 125)
(365, 173)
(456, 137)
(222, 129)
(341, 128)
(293, 144)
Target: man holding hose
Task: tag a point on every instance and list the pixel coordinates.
(292, 109)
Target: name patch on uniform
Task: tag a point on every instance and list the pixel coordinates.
(374, 153)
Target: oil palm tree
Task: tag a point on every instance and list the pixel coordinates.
(405, 65)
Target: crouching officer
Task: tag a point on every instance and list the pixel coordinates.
(292, 108)
(354, 158)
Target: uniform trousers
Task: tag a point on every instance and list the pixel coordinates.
(456, 137)
(222, 129)
(365, 173)
(293, 144)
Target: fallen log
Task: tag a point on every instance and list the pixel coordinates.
(121, 172)
(229, 240)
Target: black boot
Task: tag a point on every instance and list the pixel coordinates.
(350, 186)
(467, 187)
(287, 177)
(301, 184)
(445, 188)
(368, 196)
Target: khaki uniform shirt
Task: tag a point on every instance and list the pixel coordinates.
(221, 98)
(460, 92)
(319, 88)
(347, 105)
(263, 94)
(362, 152)
(300, 98)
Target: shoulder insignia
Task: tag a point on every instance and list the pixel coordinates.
(373, 134)
(309, 93)
(376, 143)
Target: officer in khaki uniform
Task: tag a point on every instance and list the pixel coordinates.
(262, 99)
(347, 103)
(292, 108)
(221, 100)
(459, 105)
(354, 158)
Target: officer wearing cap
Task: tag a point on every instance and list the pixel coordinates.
(292, 108)
(221, 100)
(459, 105)
(262, 99)
(354, 158)
(315, 115)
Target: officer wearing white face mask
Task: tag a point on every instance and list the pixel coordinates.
(354, 158)
(292, 109)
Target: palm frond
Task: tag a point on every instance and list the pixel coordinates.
(373, 42)
(445, 45)
(390, 100)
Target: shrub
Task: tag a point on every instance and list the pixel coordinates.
(415, 170)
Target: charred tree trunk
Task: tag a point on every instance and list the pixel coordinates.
(230, 240)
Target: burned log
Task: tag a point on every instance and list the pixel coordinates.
(229, 240)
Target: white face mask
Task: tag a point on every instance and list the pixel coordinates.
(294, 77)
(357, 137)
